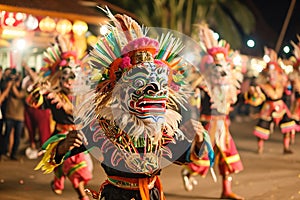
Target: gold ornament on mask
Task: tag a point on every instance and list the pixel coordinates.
(142, 56)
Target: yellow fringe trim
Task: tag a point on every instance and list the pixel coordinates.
(48, 164)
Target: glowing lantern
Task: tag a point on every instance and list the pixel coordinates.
(12, 19)
(80, 27)
(92, 40)
(63, 26)
(20, 16)
(31, 22)
(47, 24)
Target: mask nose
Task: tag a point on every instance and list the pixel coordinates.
(151, 89)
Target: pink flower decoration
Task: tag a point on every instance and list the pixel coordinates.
(174, 86)
(63, 63)
(126, 62)
(69, 54)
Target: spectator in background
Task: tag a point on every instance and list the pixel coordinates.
(14, 120)
(1, 75)
(3, 94)
(5, 78)
(35, 119)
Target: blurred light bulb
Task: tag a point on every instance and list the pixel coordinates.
(266, 58)
(286, 49)
(216, 36)
(250, 43)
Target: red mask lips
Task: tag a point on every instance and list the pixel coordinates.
(155, 105)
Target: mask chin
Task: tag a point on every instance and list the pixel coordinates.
(64, 88)
(152, 119)
(66, 80)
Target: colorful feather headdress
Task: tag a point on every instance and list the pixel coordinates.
(273, 63)
(59, 55)
(113, 55)
(222, 77)
(217, 50)
(113, 52)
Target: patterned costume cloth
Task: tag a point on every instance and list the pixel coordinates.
(53, 91)
(135, 115)
(269, 92)
(217, 125)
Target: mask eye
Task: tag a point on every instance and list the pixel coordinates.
(72, 76)
(66, 71)
(138, 83)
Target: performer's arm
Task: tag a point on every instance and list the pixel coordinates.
(73, 143)
(36, 97)
(33, 75)
(18, 93)
(201, 143)
(59, 147)
(5, 93)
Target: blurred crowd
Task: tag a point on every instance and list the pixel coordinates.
(18, 120)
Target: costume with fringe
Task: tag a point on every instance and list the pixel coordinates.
(269, 92)
(219, 86)
(59, 57)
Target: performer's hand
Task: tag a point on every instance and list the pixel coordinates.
(252, 90)
(73, 139)
(45, 87)
(199, 135)
(9, 84)
(60, 102)
(56, 99)
(193, 128)
(255, 90)
(258, 90)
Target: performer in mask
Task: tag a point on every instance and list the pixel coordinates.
(54, 91)
(294, 77)
(220, 83)
(269, 91)
(135, 114)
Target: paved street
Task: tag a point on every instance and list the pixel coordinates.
(271, 176)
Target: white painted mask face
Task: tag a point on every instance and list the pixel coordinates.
(145, 90)
(67, 79)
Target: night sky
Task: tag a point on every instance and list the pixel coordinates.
(270, 16)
